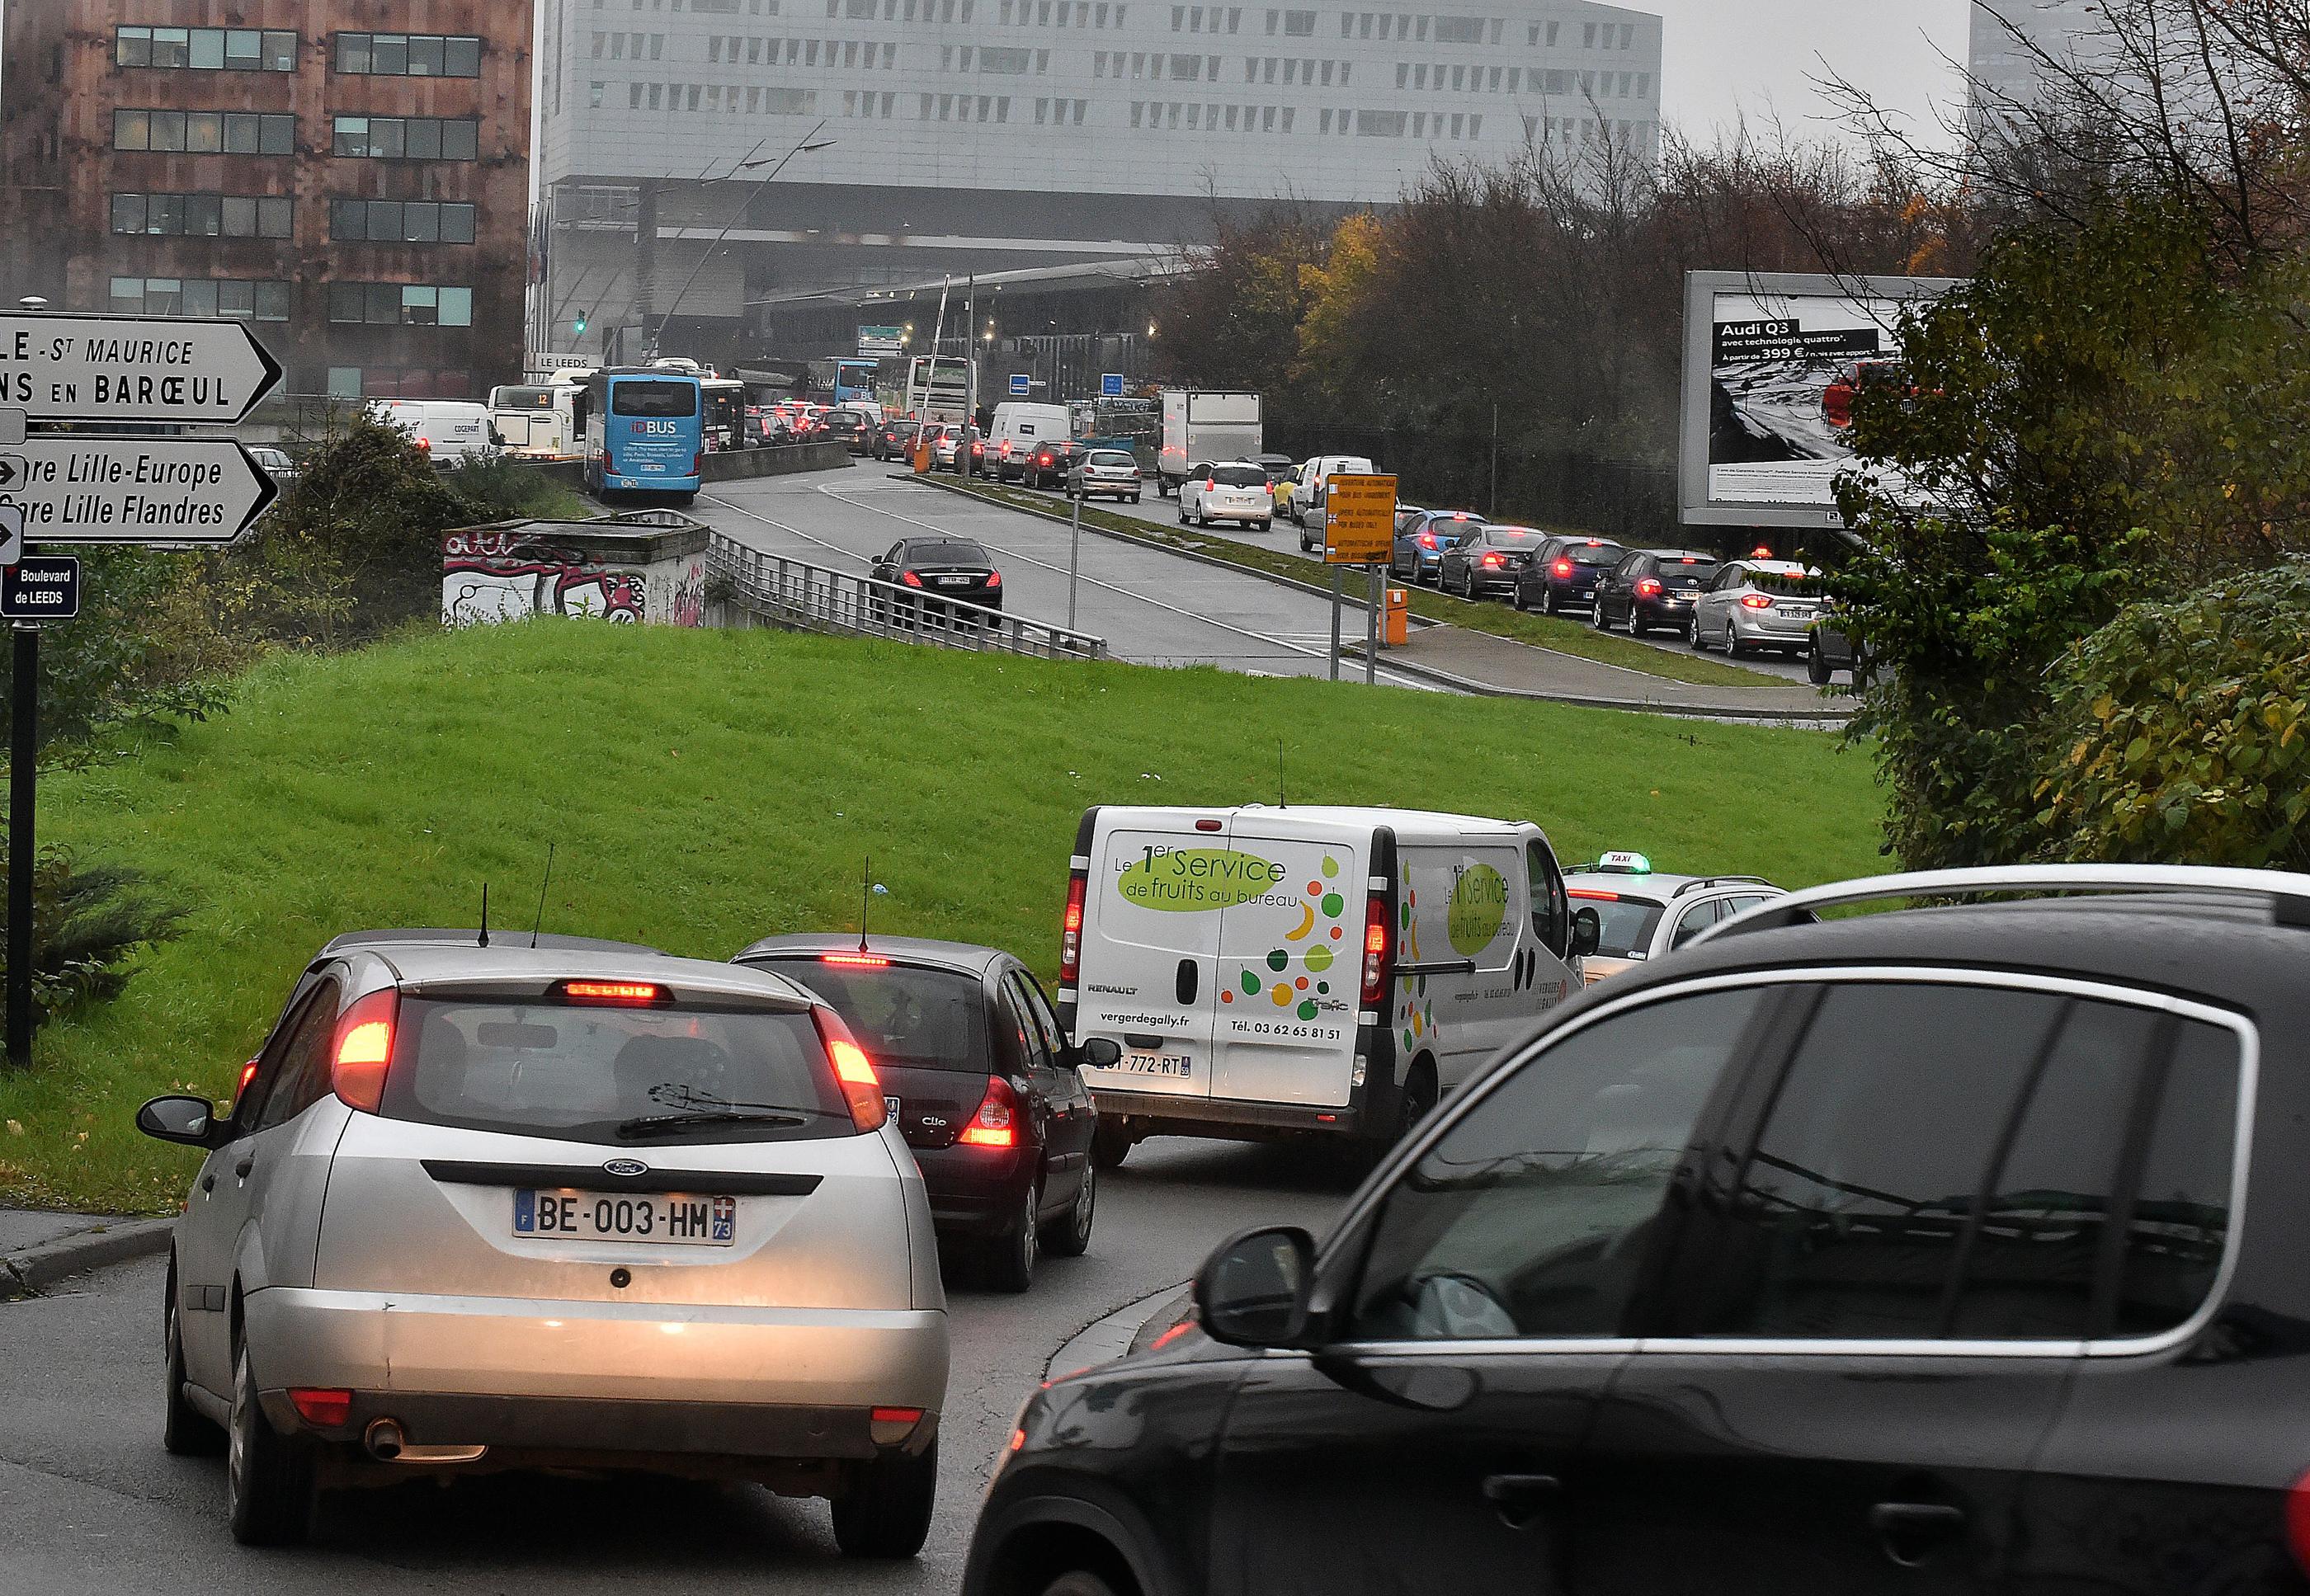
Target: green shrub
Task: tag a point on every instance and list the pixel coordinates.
(2181, 731)
(89, 923)
(499, 488)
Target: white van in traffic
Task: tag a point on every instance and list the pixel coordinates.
(447, 430)
(1315, 493)
(1019, 427)
(1304, 970)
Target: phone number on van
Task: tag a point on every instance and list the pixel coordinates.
(1276, 1028)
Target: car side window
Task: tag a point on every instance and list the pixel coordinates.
(304, 1076)
(1943, 1160)
(1695, 920)
(1551, 910)
(1040, 1020)
(1034, 1053)
(1532, 1215)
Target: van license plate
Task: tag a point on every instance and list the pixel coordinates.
(1155, 1064)
(664, 1218)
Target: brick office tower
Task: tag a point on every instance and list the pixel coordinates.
(350, 176)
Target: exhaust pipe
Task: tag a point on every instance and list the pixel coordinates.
(384, 1439)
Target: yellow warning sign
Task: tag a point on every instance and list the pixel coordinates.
(1359, 520)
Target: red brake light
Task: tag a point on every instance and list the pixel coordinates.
(1648, 587)
(424, 446)
(994, 578)
(1071, 929)
(364, 1049)
(994, 1124)
(248, 1074)
(1207, 826)
(910, 579)
(2297, 1521)
(698, 464)
(1562, 567)
(622, 994)
(1755, 601)
(1426, 540)
(325, 1409)
(1375, 950)
(862, 961)
(861, 1089)
(1491, 559)
(1592, 892)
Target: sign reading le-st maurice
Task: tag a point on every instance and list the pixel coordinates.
(65, 368)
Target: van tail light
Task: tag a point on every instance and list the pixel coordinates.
(996, 1123)
(1562, 567)
(1648, 588)
(364, 1048)
(1071, 929)
(1376, 959)
(2297, 1523)
(861, 1089)
(1755, 601)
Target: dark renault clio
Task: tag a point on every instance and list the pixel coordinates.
(980, 1079)
(1947, 1250)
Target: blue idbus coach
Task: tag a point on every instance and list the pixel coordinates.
(645, 432)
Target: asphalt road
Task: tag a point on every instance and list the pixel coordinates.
(90, 1505)
(1284, 536)
(1152, 608)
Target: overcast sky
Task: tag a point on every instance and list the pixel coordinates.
(1726, 57)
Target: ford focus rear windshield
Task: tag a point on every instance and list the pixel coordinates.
(903, 1016)
(595, 1074)
(653, 399)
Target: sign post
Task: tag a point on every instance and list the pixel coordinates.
(87, 488)
(1074, 558)
(1359, 529)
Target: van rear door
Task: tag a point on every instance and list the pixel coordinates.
(1149, 947)
(1290, 965)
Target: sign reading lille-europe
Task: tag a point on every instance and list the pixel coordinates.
(77, 488)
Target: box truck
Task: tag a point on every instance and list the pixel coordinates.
(1201, 424)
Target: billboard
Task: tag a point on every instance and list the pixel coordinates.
(1771, 362)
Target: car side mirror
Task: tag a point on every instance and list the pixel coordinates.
(1100, 1053)
(1588, 932)
(191, 1121)
(1254, 1290)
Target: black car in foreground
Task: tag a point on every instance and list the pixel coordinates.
(1654, 590)
(1488, 559)
(1563, 574)
(1946, 1250)
(979, 1079)
(941, 568)
(1046, 465)
(847, 428)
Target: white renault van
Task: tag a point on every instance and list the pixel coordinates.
(1315, 493)
(447, 430)
(1327, 971)
(1018, 429)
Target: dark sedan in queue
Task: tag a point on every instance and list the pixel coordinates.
(1422, 538)
(1654, 590)
(1564, 573)
(979, 1079)
(1047, 465)
(1488, 561)
(943, 567)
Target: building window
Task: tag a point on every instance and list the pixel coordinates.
(409, 55)
(400, 221)
(204, 133)
(202, 216)
(345, 381)
(594, 94)
(408, 138)
(238, 298)
(206, 49)
(401, 304)
(1298, 24)
(1004, 61)
(1381, 123)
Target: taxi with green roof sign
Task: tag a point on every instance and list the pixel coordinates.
(1645, 912)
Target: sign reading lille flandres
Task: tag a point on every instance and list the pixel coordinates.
(66, 368)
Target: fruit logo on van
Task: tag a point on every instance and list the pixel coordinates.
(1193, 881)
(1320, 926)
(1478, 908)
(1419, 1023)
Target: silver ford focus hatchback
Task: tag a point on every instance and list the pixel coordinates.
(580, 1204)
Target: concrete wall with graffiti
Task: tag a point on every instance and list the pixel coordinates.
(618, 570)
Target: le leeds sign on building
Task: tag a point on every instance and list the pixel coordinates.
(66, 368)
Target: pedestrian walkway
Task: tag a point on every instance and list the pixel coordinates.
(37, 1246)
(1480, 662)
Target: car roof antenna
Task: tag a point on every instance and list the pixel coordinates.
(865, 898)
(484, 939)
(539, 922)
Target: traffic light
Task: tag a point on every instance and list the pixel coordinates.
(581, 326)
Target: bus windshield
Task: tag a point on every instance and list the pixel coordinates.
(644, 396)
(521, 398)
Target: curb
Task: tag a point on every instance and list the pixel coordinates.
(1487, 689)
(31, 1268)
(1115, 1335)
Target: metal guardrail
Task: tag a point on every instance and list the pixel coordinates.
(792, 593)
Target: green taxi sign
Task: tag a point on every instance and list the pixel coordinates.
(1633, 863)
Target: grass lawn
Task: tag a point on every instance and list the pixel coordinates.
(1480, 615)
(705, 788)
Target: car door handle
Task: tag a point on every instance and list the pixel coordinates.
(242, 1168)
(1910, 1533)
(208, 1181)
(1517, 1499)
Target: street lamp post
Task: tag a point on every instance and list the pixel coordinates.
(810, 141)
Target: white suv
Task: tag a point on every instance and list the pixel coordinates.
(1236, 491)
(580, 1205)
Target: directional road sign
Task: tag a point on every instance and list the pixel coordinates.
(12, 534)
(1359, 520)
(65, 368)
(1021, 384)
(40, 587)
(1110, 384)
(175, 490)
